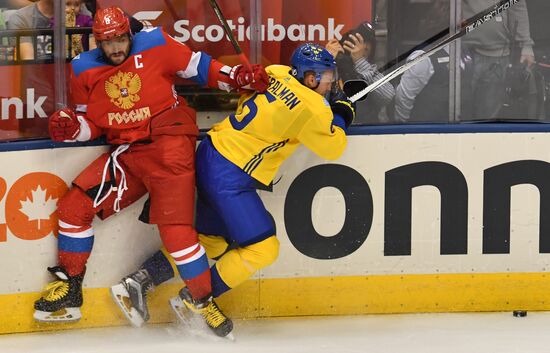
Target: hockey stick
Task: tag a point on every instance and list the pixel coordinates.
(466, 27)
(172, 9)
(229, 34)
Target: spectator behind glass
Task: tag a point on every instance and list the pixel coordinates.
(6, 8)
(492, 46)
(75, 18)
(14, 4)
(36, 79)
(423, 92)
(354, 55)
(37, 15)
(40, 15)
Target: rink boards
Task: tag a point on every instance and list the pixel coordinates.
(401, 223)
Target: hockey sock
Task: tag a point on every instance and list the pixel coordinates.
(74, 247)
(218, 285)
(76, 235)
(159, 268)
(181, 241)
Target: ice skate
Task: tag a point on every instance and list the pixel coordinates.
(193, 313)
(131, 296)
(62, 299)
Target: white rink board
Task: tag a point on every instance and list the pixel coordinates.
(123, 242)
(372, 157)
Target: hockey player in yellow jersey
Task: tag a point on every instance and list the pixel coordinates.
(268, 127)
(239, 155)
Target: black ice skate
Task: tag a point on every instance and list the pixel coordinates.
(131, 296)
(62, 299)
(187, 309)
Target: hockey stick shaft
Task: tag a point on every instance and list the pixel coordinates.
(466, 27)
(229, 34)
(172, 10)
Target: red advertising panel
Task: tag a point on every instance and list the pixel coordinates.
(285, 23)
(27, 90)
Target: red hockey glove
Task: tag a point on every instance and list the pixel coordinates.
(63, 125)
(256, 80)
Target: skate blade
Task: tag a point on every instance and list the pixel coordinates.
(122, 299)
(194, 324)
(182, 313)
(60, 316)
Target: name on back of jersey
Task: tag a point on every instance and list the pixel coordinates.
(280, 91)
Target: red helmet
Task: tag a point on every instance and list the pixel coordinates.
(110, 22)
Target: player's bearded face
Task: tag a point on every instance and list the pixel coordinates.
(117, 49)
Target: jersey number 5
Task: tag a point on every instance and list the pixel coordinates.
(252, 111)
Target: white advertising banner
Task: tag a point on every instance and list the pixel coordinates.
(416, 204)
(393, 204)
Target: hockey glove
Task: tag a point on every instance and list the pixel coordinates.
(63, 125)
(345, 109)
(243, 78)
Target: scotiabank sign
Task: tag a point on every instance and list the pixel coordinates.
(28, 91)
(271, 32)
(284, 24)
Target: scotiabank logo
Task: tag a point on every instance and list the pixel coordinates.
(30, 205)
(146, 17)
(28, 107)
(271, 32)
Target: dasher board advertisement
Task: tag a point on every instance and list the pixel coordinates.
(400, 223)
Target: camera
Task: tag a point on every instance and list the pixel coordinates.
(365, 29)
(344, 62)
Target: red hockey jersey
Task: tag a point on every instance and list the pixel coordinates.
(123, 101)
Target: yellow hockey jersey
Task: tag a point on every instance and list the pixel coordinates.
(268, 127)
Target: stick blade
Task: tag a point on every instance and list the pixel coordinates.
(352, 87)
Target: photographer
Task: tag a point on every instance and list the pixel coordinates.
(354, 55)
(491, 48)
(422, 95)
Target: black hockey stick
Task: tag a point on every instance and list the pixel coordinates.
(419, 46)
(353, 87)
(230, 35)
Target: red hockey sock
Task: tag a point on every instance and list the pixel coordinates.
(74, 247)
(182, 242)
(76, 236)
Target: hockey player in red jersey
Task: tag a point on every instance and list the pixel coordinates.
(124, 90)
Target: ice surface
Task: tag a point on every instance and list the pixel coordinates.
(425, 333)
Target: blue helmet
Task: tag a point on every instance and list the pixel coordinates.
(311, 57)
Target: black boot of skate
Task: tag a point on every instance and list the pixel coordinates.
(205, 308)
(131, 296)
(62, 299)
